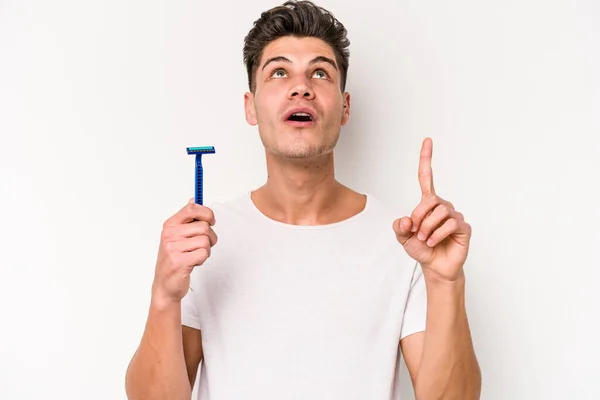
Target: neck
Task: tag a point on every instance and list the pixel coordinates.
(300, 191)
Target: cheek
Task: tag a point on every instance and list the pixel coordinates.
(335, 111)
(332, 101)
(267, 107)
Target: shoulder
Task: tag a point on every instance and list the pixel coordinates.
(239, 204)
(234, 216)
(379, 213)
(378, 220)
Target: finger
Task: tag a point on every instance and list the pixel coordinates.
(425, 172)
(195, 229)
(452, 226)
(423, 209)
(402, 228)
(191, 229)
(191, 200)
(435, 219)
(191, 212)
(196, 258)
(193, 243)
(199, 228)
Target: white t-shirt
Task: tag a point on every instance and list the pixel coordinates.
(303, 312)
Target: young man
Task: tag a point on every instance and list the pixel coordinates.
(310, 293)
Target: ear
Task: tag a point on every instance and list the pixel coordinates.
(345, 108)
(250, 108)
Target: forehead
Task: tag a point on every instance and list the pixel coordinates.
(296, 49)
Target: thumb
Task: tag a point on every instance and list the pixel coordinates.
(402, 228)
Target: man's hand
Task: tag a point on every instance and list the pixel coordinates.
(435, 235)
(186, 241)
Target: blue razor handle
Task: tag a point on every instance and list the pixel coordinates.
(198, 151)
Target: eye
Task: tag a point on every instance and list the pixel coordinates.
(323, 74)
(278, 73)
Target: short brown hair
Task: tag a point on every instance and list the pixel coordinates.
(299, 19)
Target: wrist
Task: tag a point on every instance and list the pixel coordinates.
(161, 302)
(433, 279)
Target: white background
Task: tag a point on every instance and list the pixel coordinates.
(98, 101)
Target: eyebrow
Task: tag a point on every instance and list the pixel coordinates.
(315, 60)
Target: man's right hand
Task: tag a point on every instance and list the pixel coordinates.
(186, 241)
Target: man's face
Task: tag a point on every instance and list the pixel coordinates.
(298, 104)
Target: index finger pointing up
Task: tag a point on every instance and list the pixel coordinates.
(425, 173)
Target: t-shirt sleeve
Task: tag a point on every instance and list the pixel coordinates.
(415, 313)
(189, 310)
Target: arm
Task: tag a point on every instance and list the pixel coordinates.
(192, 351)
(441, 361)
(166, 361)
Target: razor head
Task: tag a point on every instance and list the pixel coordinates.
(201, 150)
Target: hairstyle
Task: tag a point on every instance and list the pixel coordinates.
(298, 19)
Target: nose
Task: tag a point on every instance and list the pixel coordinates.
(301, 89)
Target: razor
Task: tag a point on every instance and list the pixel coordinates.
(198, 151)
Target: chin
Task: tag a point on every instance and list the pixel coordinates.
(303, 150)
(300, 144)
(303, 153)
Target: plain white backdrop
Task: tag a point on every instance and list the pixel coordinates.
(98, 101)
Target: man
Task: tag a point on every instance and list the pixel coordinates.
(309, 294)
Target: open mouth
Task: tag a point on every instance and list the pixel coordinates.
(300, 117)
